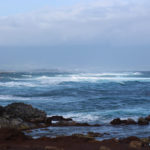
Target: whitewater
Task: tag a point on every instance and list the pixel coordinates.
(85, 97)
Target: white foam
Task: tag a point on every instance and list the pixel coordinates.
(17, 84)
(137, 73)
(11, 97)
(28, 76)
(82, 117)
(81, 77)
(86, 78)
(111, 74)
(132, 117)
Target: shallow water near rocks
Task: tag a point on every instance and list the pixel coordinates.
(108, 131)
(85, 97)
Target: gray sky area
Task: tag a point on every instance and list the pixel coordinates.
(102, 35)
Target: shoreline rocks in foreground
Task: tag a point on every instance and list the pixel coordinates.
(19, 116)
(12, 139)
(23, 117)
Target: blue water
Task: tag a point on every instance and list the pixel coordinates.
(86, 97)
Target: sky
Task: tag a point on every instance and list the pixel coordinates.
(102, 35)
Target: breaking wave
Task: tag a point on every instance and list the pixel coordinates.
(46, 80)
(11, 97)
(17, 84)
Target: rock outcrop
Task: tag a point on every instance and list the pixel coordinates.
(118, 121)
(23, 117)
(129, 121)
(25, 112)
(142, 121)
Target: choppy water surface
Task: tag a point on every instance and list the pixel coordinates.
(86, 97)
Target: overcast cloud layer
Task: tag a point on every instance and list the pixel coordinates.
(99, 21)
(104, 34)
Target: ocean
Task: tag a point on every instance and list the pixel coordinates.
(85, 97)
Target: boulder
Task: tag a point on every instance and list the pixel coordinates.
(15, 122)
(142, 121)
(25, 112)
(57, 120)
(116, 121)
(130, 121)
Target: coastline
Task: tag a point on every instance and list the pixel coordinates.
(17, 119)
(12, 139)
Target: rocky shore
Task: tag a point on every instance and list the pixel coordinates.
(24, 117)
(12, 139)
(18, 117)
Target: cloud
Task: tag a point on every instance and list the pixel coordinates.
(112, 22)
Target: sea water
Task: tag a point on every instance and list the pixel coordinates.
(85, 97)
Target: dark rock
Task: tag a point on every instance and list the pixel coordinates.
(27, 126)
(130, 121)
(24, 117)
(25, 112)
(142, 121)
(148, 118)
(58, 118)
(4, 122)
(1, 110)
(48, 121)
(15, 123)
(116, 121)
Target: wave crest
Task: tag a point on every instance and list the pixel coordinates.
(17, 84)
